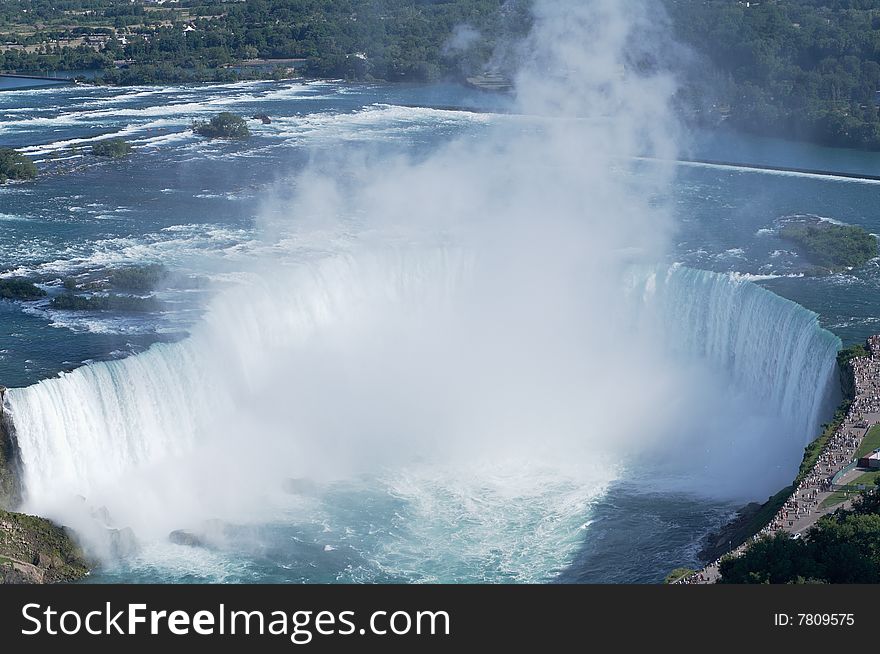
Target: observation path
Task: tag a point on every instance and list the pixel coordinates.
(835, 468)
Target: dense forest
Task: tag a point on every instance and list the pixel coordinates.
(393, 40)
(801, 69)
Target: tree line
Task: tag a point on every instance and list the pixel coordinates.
(842, 548)
(800, 69)
(392, 40)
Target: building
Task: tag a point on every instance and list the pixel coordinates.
(871, 461)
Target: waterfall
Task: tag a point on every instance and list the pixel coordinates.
(91, 428)
(772, 347)
(99, 425)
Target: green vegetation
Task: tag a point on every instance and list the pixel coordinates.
(140, 42)
(16, 288)
(870, 443)
(799, 69)
(677, 574)
(225, 125)
(123, 303)
(43, 551)
(14, 165)
(753, 521)
(139, 279)
(832, 246)
(841, 548)
(113, 148)
(802, 69)
(840, 496)
(847, 354)
(10, 488)
(814, 449)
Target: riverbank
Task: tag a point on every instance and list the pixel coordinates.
(10, 488)
(37, 551)
(797, 508)
(33, 550)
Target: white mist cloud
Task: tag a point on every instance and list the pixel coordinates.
(462, 38)
(467, 311)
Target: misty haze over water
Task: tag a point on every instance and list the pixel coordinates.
(467, 336)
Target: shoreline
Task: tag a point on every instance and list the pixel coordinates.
(799, 507)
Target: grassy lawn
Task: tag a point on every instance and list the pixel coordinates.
(850, 489)
(871, 442)
(677, 574)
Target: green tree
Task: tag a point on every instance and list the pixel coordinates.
(14, 165)
(225, 125)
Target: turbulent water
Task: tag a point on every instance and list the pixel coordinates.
(164, 425)
(119, 434)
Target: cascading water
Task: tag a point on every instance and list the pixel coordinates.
(446, 415)
(764, 343)
(156, 437)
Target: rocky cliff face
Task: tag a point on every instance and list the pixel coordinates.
(32, 550)
(10, 488)
(36, 551)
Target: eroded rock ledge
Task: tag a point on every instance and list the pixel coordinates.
(32, 550)
(10, 486)
(36, 551)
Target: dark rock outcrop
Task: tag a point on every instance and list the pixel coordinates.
(186, 537)
(123, 543)
(10, 480)
(36, 551)
(731, 535)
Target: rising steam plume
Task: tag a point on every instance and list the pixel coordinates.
(492, 331)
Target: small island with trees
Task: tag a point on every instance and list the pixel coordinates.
(15, 288)
(114, 148)
(831, 246)
(225, 125)
(14, 165)
(127, 289)
(115, 293)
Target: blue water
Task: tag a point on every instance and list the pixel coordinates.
(728, 221)
(8, 83)
(192, 205)
(181, 201)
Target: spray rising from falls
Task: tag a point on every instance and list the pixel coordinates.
(378, 370)
(475, 346)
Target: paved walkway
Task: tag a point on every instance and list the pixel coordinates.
(803, 508)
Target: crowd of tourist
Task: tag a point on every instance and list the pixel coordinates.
(805, 502)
